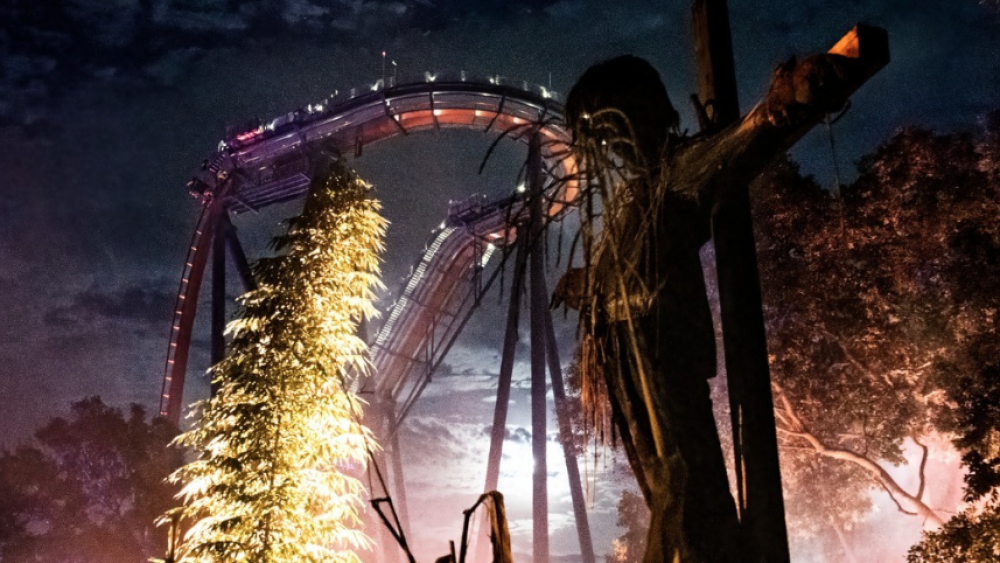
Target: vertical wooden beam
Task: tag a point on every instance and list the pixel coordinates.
(761, 505)
(539, 310)
(713, 48)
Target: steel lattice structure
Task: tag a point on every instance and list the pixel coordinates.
(272, 163)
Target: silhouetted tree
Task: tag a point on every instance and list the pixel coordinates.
(89, 489)
(633, 517)
(972, 536)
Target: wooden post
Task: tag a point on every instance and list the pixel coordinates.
(713, 48)
(760, 502)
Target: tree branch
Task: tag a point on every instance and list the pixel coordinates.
(781, 417)
(849, 356)
(789, 410)
(896, 492)
(896, 501)
(844, 544)
(923, 466)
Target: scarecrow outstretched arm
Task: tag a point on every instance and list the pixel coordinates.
(800, 95)
(802, 92)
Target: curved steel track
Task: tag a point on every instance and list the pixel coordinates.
(271, 163)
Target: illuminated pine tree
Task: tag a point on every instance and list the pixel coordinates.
(280, 440)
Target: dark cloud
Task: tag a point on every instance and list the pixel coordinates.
(445, 369)
(145, 305)
(519, 434)
(49, 49)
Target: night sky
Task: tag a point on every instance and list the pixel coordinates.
(108, 107)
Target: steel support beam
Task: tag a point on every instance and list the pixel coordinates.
(379, 419)
(240, 259)
(219, 292)
(188, 301)
(538, 312)
(566, 437)
(761, 506)
(499, 430)
(398, 480)
(506, 368)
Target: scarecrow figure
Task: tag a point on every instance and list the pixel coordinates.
(646, 328)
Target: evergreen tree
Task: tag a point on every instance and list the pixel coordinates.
(278, 443)
(633, 518)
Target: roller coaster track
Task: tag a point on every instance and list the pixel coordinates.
(271, 163)
(185, 307)
(437, 300)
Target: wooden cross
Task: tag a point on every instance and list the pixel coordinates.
(815, 91)
(656, 360)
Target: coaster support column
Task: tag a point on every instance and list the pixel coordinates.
(539, 312)
(566, 437)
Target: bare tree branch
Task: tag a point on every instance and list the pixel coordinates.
(789, 410)
(895, 500)
(896, 492)
(854, 361)
(923, 466)
(844, 544)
